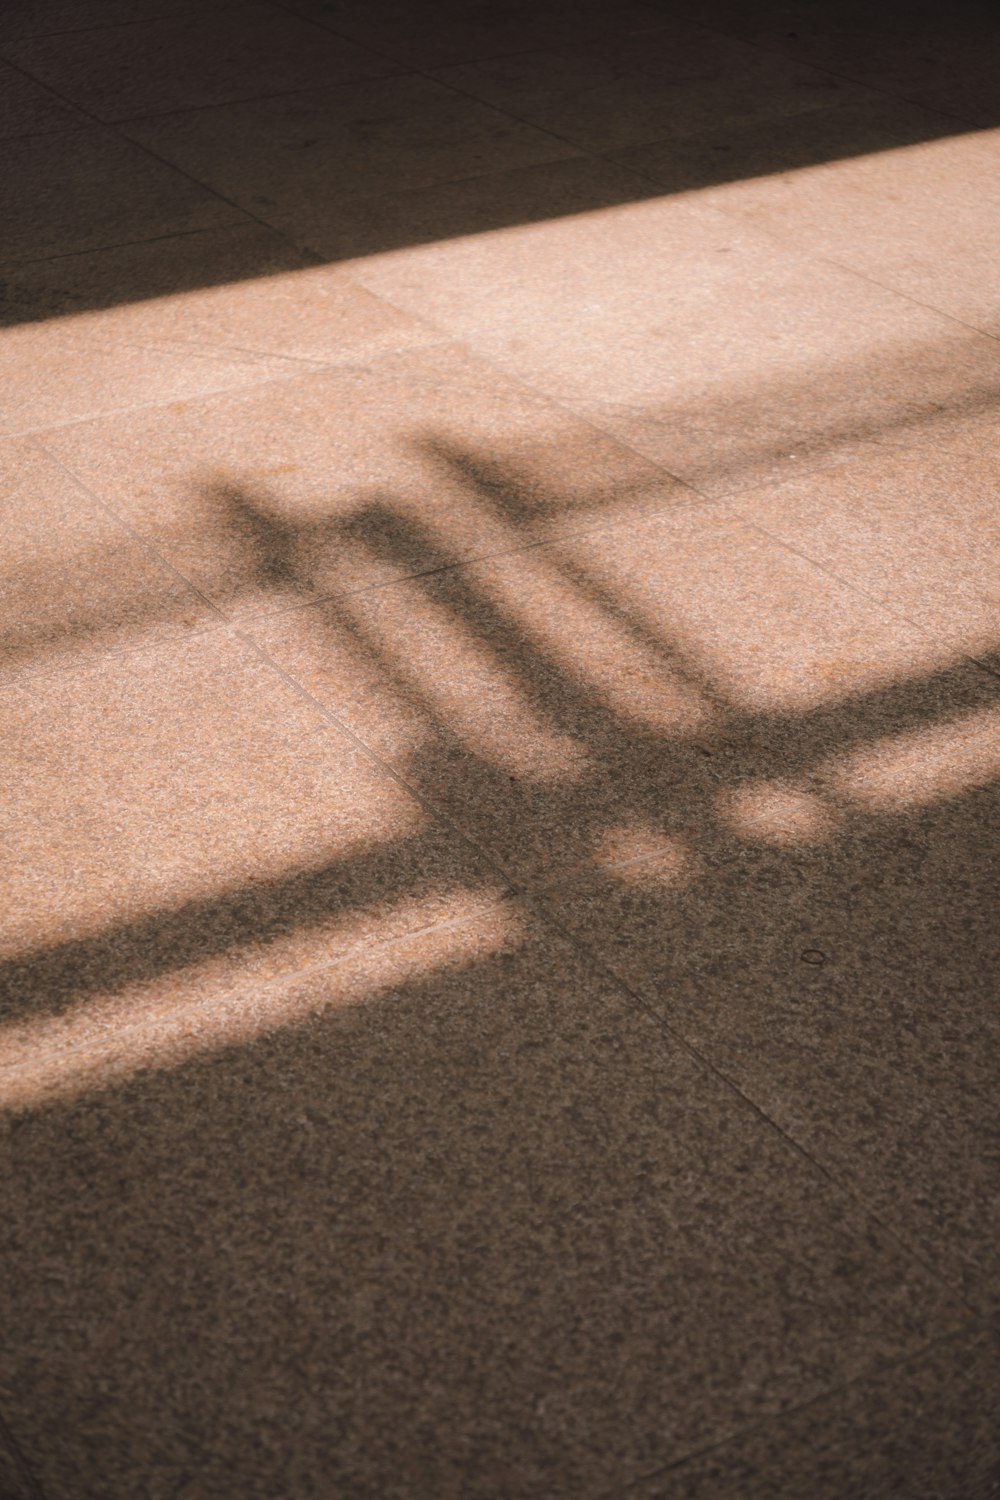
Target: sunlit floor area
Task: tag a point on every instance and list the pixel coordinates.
(500, 707)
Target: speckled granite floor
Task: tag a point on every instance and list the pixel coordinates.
(500, 686)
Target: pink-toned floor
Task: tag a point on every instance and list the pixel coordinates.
(501, 733)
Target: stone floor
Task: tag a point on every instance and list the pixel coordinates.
(501, 729)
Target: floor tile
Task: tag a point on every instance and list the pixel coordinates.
(65, 371)
(61, 193)
(927, 1428)
(946, 64)
(75, 583)
(642, 87)
(696, 341)
(341, 480)
(830, 944)
(27, 18)
(500, 702)
(197, 313)
(722, 152)
(15, 1480)
(182, 821)
(921, 219)
(762, 631)
(293, 161)
(455, 32)
(517, 700)
(475, 206)
(26, 108)
(188, 60)
(238, 290)
(916, 526)
(516, 1241)
(575, 701)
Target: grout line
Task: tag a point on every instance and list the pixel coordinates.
(243, 389)
(661, 1024)
(791, 246)
(206, 1003)
(168, 15)
(153, 239)
(121, 121)
(882, 92)
(773, 1418)
(303, 692)
(925, 629)
(33, 1490)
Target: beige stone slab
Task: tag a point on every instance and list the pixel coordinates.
(74, 369)
(80, 190)
(192, 59)
(74, 583)
(698, 341)
(293, 161)
(924, 1428)
(454, 32)
(576, 704)
(338, 481)
(922, 219)
(26, 108)
(642, 87)
(178, 318)
(180, 822)
(914, 524)
(451, 1220)
(766, 633)
(829, 942)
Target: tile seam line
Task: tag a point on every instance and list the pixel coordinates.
(842, 266)
(263, 617)
(757, 46)
(520, 889)
(320, 88)
(234, 630)
(193, 109)
(37, 433)
(8, 264)
(471, 561)
(853, 588)
(439, 816)
(25, 1473)
(845, 1191)
(194, 13)
(169, 15)
(667, 26)
(185, 349)
(729, 502)
(308, 971)
(978, 1321)
(723, 502)
(791, 246)
(211, 194)
(21, 677)
(470, 61)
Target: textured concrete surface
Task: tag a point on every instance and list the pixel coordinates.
(500, 720)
